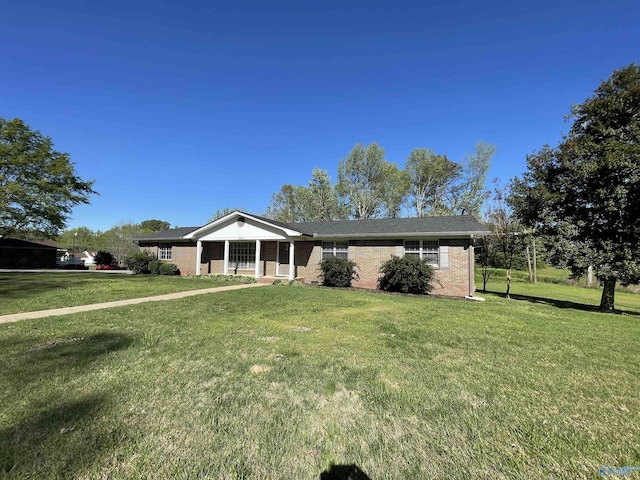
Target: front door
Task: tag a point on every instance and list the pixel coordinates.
(283, 259)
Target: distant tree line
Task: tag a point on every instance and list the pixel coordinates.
(370, 186)
(118, 240)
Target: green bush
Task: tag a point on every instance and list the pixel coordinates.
(154, 267)
(103, 258)
(338, 272)
(138, 262)
(408, 274)
(169, 269)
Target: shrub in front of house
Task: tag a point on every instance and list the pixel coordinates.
(138, 262)
(337, 272)
(103, 258)
(154, 267)
(169, 269)
(406, 274)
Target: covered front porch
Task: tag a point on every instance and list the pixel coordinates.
(257, 258)
(242, 244)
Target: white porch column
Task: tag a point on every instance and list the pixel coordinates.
(292, 257)
(226, 257)
(198, 256)
(257, 258)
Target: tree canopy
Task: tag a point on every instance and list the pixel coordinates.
(369, 186)
(38, 185)
(364, 182)
(152, 225)
(584, 194)
(430, 177)
(315, 202)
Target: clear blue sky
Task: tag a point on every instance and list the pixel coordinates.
(177, 109)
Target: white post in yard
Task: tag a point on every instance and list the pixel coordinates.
(198, 256)
(226, 257)
(257, 258)
(292, 257)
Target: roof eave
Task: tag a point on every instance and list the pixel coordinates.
(289, 232)
(479, 233)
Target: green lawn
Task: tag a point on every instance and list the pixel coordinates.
(283, 381)
(28, 292)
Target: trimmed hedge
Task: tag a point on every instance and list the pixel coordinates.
(407, 274)
(154, 267)
(138, 263)
(169, 269)
(337, 272)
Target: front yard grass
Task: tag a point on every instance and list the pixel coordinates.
(29, 292)
(283, 381)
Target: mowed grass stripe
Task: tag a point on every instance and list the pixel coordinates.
(30, 292)
(402, 387)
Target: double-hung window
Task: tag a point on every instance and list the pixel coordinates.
(424, 249)
(165, 252)
(242, 255)
(335, 249)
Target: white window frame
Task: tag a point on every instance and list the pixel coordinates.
(165, 252)
(425, 249)
(242, 255)
(335, 249)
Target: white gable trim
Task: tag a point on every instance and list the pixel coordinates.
(229, 228)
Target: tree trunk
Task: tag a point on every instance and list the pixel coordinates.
(608, 293)
(535, 266)
(529, 265)
(589, 276)
(508, 283)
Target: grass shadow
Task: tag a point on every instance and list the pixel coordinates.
(344, 472)
(554, 302)
(47, 427)
(26, 284)
(56, 441)
(32, 360)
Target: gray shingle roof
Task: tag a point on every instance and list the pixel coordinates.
(18, 243)
(459, 224)
(451, 225)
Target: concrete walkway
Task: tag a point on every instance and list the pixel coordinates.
(16, 317)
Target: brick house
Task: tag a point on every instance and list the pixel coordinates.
(16, 253)
(243, 244)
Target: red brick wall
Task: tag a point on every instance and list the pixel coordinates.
(455, 279)
(268, 256)
(183, 255)
(368, 255)
(212, 259)
(308, 257)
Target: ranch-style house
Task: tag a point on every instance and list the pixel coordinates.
(244, 244)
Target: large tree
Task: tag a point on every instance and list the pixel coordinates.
(118, 240)
(315, 202)
(38, 185)
(319, 201)
(285, 205)
(469, 193)
(586, 191)
(153, 225)
(80, 239)
(430, 178)
(363, 183)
